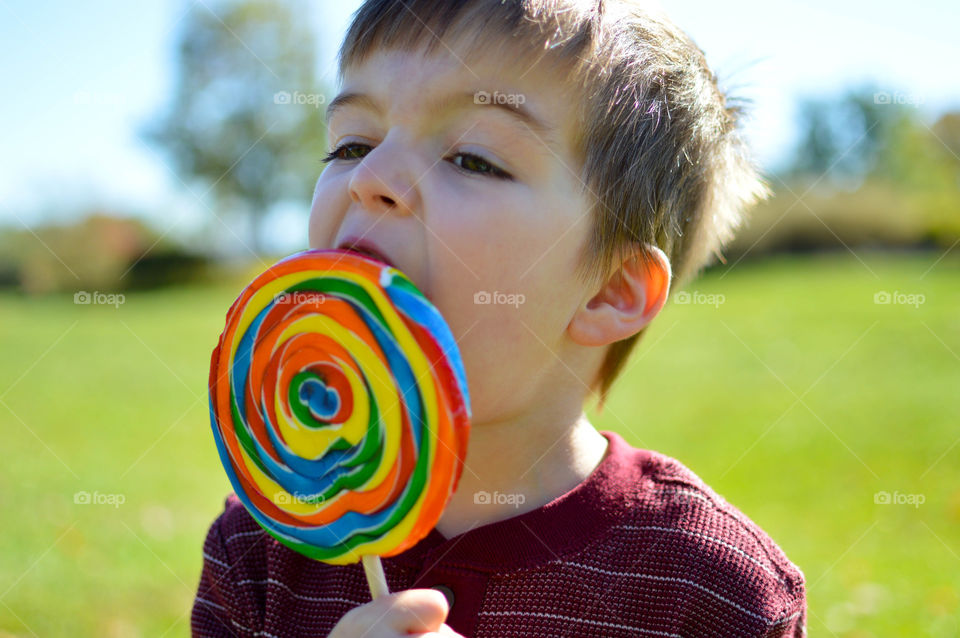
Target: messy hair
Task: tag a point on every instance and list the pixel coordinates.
(659, 142)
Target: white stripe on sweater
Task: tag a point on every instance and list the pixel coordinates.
(714, 539)
(685, 581)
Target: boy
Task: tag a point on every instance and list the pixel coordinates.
(542, 170)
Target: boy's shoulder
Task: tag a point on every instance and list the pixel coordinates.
(674, 528)
(237, 543)
(235, 521)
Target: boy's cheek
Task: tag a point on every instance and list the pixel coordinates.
(316, 189)
(321, 235)
(326, 215)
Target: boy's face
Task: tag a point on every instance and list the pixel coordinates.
(483, 212)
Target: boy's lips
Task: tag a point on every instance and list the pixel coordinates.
(368, 248)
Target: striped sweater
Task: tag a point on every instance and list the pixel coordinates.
(641, 547)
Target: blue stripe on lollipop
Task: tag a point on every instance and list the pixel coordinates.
(296, 482)
(427, 315)
(299, 480)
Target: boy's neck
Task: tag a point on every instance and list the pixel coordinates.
(521, 467)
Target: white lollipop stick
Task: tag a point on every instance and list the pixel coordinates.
(375, 576)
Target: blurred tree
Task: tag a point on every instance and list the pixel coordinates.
(818, 147)
(943, 196)
(246, 117)
(844, 138)
(914, 159)
(947, 130)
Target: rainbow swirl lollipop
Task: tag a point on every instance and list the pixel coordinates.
(339, 406)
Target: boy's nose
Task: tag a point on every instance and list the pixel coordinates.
(382, 185)
(375, 202)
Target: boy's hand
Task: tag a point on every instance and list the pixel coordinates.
(417, 612)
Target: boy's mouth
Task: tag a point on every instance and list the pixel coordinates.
(366, 248)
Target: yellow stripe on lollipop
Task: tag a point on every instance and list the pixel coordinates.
(272, 289)
(310, 443)
(403, 528)
(273, 491)
(400, 531)
(424, 380)
(406, 341)
(260, 300)
(291, 426)
(421, 370)
(284, 500)
(266, 295)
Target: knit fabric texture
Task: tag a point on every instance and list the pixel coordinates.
(641, 547)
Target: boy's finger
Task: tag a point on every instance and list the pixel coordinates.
(417, 610)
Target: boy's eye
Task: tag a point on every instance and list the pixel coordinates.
(476, 164)
(468, 162)
(346, 151)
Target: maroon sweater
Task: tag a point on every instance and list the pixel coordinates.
(642, 547)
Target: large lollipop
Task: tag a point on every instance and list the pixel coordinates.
(339, 407)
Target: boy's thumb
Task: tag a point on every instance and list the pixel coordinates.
(420, 610)
(445, 632)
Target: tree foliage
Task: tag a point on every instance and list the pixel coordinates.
(245, 118)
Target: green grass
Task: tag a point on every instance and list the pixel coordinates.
(797, 399)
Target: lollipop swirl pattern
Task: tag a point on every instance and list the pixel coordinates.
(339, 406)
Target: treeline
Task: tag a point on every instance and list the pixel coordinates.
(869, 171)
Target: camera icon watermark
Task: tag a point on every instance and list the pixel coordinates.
(886, 498)
(316, 100)
(701, 298)
(482, 297)
(286, 498)
(299, 296)
(484, 497)
(84, 298)
(882, 297)
(86, 498)
(485, 98)
(907, 99)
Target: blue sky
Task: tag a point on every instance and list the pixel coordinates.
(80, 78)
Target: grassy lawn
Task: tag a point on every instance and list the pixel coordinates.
(794, 395)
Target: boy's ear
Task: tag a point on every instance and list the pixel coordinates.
(627, 302)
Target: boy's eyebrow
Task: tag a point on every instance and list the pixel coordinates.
(446, 102)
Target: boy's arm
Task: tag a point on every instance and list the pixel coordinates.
(220, 604)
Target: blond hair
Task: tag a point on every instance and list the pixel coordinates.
(660, 144)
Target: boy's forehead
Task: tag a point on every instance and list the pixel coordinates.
(451, 78)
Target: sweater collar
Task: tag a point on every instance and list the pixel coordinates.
(564, 525)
